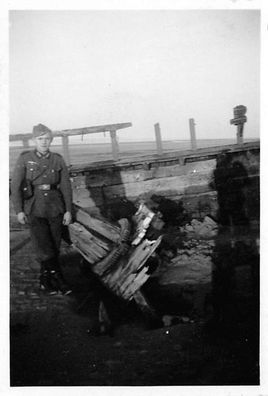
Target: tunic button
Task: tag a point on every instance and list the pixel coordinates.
(45, 194)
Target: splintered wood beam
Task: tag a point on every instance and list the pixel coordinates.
(75, 131)
(102, 227)
(93, 249)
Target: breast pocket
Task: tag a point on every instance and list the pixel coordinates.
(54, 175)
(32, 170)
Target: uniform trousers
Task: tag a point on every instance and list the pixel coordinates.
(46, 234)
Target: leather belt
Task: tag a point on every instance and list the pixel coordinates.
(46, 187)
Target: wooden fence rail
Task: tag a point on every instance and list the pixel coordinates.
(239, 120)
(64, 134)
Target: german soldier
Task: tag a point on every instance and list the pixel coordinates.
(42, 197)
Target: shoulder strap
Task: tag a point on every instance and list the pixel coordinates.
(43, 170)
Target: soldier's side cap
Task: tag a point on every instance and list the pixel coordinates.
(40, 129)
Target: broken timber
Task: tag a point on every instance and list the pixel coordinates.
(119, 257)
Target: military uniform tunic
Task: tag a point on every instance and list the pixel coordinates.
(46, 207)
(42, 169)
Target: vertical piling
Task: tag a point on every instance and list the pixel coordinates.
(25, 143)
(65, 145)
(158, 139)
(115, 146)
(239, 134)
(192, 133)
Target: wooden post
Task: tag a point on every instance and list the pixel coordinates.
(158, 139)
(115, 146)
(192, 133)
(65, 145)
(239, 134)
(239, 120)
(25, 143)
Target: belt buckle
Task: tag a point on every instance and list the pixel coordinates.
(45, 187)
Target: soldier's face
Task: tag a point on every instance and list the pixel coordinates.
(43, 142)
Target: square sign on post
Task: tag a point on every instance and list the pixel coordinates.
(239, 120)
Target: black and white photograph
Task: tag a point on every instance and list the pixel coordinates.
(133, 142)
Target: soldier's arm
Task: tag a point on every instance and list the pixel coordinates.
(17, 178)
(65, 187)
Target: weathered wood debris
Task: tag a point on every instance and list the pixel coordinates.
(118, 253)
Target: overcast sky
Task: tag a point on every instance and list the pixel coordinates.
(71, 69)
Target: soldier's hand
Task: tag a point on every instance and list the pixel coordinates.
(67, 218)
(22, 218)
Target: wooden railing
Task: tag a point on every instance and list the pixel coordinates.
(239, 120)
(64, 134)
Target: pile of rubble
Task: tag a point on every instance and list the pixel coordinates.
(186, 261)
(208, 228)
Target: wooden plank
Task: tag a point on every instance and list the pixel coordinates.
(89, 248)
(136, 284)
(200, 155)
(123, 287)
(133, 282)
(112, 261)
(133, 262)
(136, 260)
(75, 131)
(112, 278)
(177, 184)
(87, 236)
(124, 271)
(95, 256)
(102, 227)
(101, 179)
(93, 129)
(88, 243)
(193, 172)
(87, 256)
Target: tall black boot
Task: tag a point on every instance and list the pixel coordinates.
(46, 284)
(56, 276)
(56, 279)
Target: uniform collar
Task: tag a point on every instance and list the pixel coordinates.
(40, 155)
